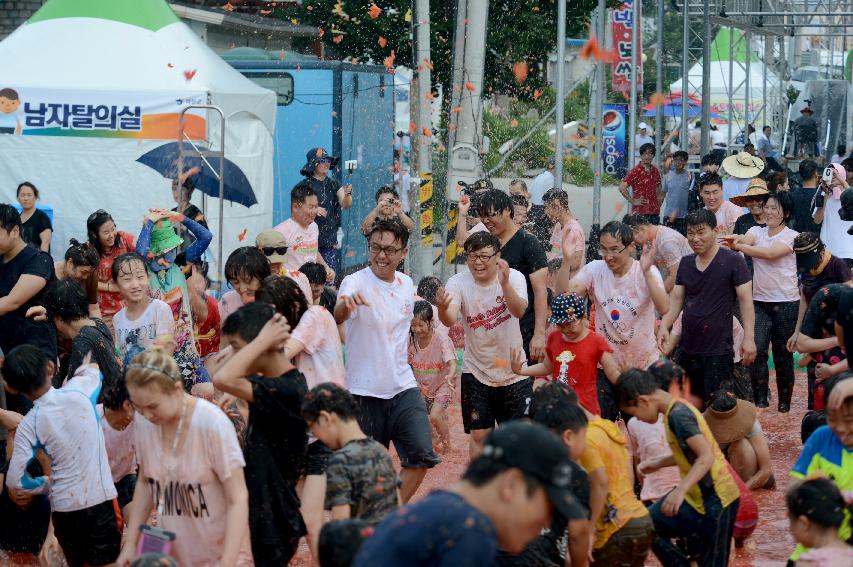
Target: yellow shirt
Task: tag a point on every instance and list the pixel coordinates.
(679, 427)
(606, 447)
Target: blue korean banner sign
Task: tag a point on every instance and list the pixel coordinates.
(615, 152)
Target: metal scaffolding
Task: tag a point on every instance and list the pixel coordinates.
(770, 32)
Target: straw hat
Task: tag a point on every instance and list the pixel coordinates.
(733, 423)
(743, 165)
(757, 188)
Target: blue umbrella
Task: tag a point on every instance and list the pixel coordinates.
(237, 189)
(674, 111)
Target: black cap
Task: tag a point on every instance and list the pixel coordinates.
(846, 212)
(539, 454)
(809, 251)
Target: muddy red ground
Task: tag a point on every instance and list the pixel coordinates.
(771, 543)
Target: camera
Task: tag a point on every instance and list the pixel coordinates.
(827, 174)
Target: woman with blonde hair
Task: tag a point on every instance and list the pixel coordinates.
(190, 468)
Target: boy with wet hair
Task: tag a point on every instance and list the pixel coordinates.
(259, 373)
(321, 294)
(360, 478)
(703, 507)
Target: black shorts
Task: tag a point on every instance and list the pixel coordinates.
(483, 406)
(317, 458)
(404, 420)
(275, 553)
(125, 487)
(91, 535)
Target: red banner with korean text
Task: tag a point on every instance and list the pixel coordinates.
(622, 28)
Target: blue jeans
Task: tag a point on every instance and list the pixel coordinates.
(708, 537)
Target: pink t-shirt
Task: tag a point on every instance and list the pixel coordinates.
(301, 280)
(670, 248)
(727, 216)
(737, 334)
(192, 483)
(572, 234)
(648, 441)
(625, 313)
(775, 280)
(429, 364)
(491, 332)
(120, 445)
(321, 360)
(302, 243)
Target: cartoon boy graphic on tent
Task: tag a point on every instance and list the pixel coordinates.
(10, 102)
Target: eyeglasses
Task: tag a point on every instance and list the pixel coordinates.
(326, 160)
(270, 250)
(481, 257)
(602, 252)
(387, 250)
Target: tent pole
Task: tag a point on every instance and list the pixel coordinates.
(730, 83)
(747, 96)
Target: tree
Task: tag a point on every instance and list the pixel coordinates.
(520, 36)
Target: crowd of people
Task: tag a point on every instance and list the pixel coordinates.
(612, 396)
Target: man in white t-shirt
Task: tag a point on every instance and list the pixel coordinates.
(300, 232)
(491, 297)
(63, 423)
(543, 183)
(642, 137)
(377, 304)
(833, 230)
(626, 293)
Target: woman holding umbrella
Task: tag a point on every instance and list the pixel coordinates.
(110, 243)
(182, 192)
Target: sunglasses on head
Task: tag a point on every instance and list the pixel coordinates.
(270, 250)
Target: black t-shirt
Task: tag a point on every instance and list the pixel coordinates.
(32, 228)
(836, 271)
(276, 440)
(802, 220)
(742, 224)
(845, 317)
(98, 340)
(550, 549)
(524, 253)
(709, 300)
(683, 425)
(819, 320)
(328, 299)
(327, 197)
(15, 328)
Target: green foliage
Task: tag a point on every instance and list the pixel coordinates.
(517, 32)
(532, 154)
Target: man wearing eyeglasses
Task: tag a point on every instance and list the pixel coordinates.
(332, 198)
(376, 303)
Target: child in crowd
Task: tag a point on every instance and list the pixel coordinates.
(245, 269)
(66, 303)
(816, 510)
(566, 541)
(82, 496)
(273, 245)
(315, 347)
(321, 294)
(260, 373)
(623, 528)
(427, 289)
(703, 507)
(433, 360)
(340, 541)
(206, 321)
(301, 233)
(26, 516)
(190, 467)
(491, 297)
(572, 353)
(829, 450)
(143, 319)
(81, 265)
(313, 343)
(110, 243)
(505, 497)
(115, 415)
(158, 243)
(362, 482)
(388, 207)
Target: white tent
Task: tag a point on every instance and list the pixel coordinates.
(722, 82)
(102, 82)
